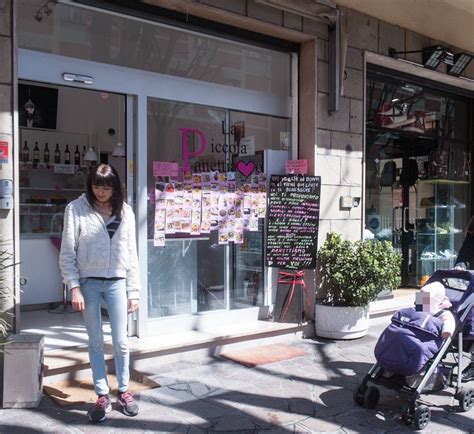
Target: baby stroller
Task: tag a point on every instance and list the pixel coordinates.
(444, 365)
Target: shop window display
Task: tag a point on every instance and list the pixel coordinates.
(60, 125)
(214, 261)
(417, 171)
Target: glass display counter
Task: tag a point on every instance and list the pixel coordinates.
(45, 190)
(440, 220)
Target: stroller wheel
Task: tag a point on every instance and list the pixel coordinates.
(358, 396)
(422, 417)
(371, 397)
(466, 399)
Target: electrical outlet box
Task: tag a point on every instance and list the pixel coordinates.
(6, 194)
(6, 188)
(6, 203)
(346, 201)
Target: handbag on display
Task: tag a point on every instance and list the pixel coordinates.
(438, 163)
(458, 165)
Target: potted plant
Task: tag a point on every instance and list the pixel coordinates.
(352, 274)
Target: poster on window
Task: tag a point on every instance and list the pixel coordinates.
(293, 221)
(199, 203)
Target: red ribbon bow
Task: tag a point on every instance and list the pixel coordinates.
(292, 278)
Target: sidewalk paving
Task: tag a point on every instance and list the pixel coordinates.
(312, 393)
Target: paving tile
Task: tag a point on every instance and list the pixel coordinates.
(312, 393)
(316, 424)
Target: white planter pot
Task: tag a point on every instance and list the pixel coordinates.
(336, 322)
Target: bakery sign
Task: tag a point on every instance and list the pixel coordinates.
(243, 146)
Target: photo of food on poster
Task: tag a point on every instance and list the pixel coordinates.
(199, 203)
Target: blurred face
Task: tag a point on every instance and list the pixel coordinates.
(103, 194)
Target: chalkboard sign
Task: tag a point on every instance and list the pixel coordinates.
(293, 221)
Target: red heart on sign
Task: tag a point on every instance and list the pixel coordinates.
(245, 168)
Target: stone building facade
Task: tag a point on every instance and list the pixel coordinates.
(333, 143)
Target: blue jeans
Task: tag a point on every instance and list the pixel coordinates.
(114, 293)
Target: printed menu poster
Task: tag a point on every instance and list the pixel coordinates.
(293, 221)
(198, 203)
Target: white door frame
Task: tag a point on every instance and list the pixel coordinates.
(138, 86)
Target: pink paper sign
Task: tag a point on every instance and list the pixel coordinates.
(3, 152)
(296, 167)
(165, 168)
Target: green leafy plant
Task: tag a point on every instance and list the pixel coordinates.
(353, 273)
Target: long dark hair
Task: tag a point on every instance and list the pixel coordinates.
(105, 175)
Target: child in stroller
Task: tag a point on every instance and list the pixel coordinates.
(432, 300)
(413, 356)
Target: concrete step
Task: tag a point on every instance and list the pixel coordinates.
(61, 363)
(404, 297)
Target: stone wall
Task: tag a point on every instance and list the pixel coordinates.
(7, 97)
(340, 139)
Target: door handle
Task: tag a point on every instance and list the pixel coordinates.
(394, 212)
(405, 218)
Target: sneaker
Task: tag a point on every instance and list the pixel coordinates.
(101, 407)
(128, 403)
(468, 373)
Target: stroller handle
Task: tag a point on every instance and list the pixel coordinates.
(439, 275)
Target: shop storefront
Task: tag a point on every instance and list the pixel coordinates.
(418, 169)
(229, 91)
(211, 107)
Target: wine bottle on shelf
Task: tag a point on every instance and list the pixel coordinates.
(67, 155)
(57, 155)
(77, 156)
(36, 154)
(83, 154)
(46, 153)
(25, 153)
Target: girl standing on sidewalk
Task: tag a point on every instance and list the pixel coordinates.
(98, 261)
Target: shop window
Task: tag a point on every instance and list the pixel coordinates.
(190, 273)
(105, 38)
(417, 172)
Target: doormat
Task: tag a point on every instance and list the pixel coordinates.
(262, 355)
(70, 392)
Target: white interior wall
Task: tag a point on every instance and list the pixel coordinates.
(83, 118)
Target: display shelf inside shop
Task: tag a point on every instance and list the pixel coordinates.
(443, 206)
(250, 268)
(50, 167)
(441, 181)
(439, 233)
(58, 189)
(46, 205)
(39, 235)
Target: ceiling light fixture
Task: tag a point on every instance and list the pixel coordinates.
(119, 150)
(432, 56)
(461, 60)
(90, 155)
